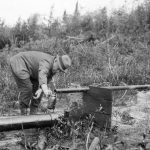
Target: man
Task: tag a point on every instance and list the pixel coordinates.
(32, 71)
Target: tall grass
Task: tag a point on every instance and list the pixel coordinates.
(8, 88)
(103, 64)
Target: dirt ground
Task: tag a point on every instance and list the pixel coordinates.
(130, 120)
(133, 121)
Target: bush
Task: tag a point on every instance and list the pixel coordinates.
(9, 92)
(98, 63)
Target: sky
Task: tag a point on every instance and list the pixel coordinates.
(11, 10)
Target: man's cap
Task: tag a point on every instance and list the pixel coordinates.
(64, 62)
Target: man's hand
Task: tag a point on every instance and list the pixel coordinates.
(46, 91)
(38, 94)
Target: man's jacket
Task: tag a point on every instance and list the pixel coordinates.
(33, 64)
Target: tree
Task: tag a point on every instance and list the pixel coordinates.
(1, 23)
(76, 20)
(65, 17)
(76, 12)
(87, 23)
(49, 21)
(25, 31)
(33, 26)
(101, 22)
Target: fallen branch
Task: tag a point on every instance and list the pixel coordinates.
(75, 38)
(108, 39)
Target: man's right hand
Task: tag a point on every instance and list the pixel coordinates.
(46, 90)
(37, 94)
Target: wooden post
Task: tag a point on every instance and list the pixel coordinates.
(95, 101)
(98, 102)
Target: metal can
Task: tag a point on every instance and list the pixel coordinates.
(52, 102)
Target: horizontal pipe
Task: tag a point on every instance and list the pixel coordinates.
(113, 88)
(25, 122)
(72, 90)
(129, 87)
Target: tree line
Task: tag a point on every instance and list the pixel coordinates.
(89, 27)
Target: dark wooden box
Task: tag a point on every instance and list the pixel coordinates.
(96, 101)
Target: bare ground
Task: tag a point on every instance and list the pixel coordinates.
(131, 120)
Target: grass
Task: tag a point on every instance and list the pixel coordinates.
(103, 64)
(92, 64)
(8, 88)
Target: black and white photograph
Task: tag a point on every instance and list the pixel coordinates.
(75, 75)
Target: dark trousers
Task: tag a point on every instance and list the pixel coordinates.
(27, 89)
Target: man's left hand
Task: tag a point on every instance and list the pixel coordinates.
(38, 94)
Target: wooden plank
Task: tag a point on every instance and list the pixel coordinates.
(98, 101)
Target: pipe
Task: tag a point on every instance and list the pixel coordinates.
(129, 87)
(25, 122)
(113, 88)
(72, 90)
